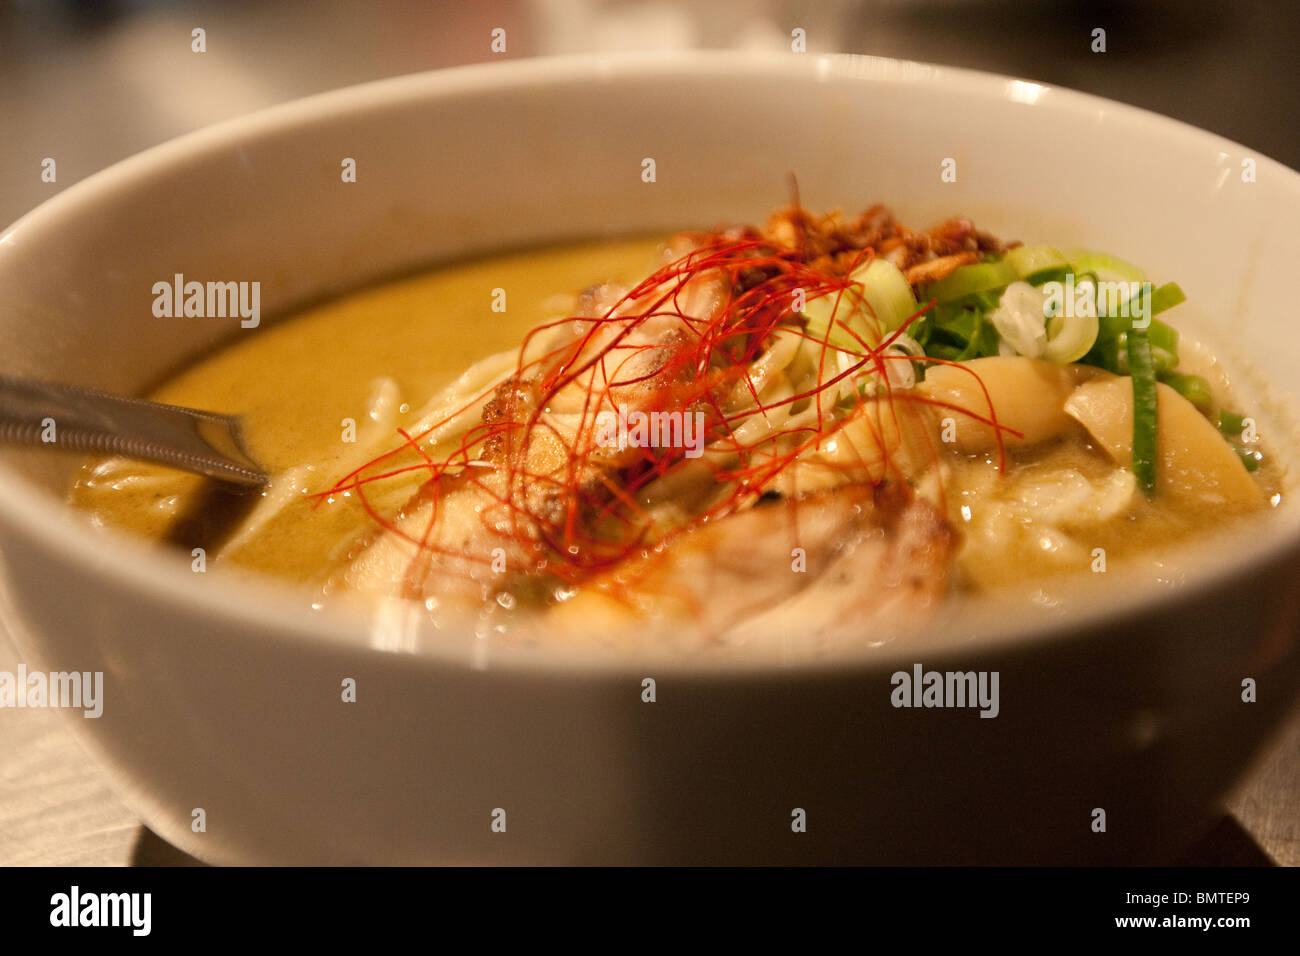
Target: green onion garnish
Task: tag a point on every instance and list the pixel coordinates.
(1231, 424)
(969, 280)
(1145, 409)
(1105, 266)
(1037, 264)
(1192, 387)
(1251, 459)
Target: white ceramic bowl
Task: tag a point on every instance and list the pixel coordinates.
(224, 694)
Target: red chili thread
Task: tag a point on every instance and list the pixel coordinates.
(584, 517)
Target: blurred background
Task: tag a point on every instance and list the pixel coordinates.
(90, 82)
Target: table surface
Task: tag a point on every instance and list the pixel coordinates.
(89, 84)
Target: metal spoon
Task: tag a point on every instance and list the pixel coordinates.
(86, 419)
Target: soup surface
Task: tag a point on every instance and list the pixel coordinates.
(373, 356)
(766, 426)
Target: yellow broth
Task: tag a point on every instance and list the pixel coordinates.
(295, 382)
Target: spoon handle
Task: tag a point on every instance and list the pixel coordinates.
(86, 419)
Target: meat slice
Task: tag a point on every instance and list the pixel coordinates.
(865, 559)
(878, 586)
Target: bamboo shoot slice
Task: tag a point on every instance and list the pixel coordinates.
(1194, 465)
(1028, 396)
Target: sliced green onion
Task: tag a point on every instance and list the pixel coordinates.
(880, 290)
(947, 352)
(1166, 297)
(970, 280)
(1162, 360)
(1036, 264)
(1231, 424)
(1145, 409)
(822, 313)
(1070, 338)
(957, 332)
(1163, 337)
(982, 342)
(1192, 387)
(1106, 267)
(962, 325)
(1019, 319)
(1104, 352)
(1162, 299)
(887, 292)
(922, 329)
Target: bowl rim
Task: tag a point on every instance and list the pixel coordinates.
(253, 605)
